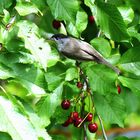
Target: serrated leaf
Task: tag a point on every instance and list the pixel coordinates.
(14, 123)
(111, 108)
(36, 45)
(102, 79)
(26, 8)
(111, 21)
(102, 45)
(130, 83)
(47, 105)
(64, 10)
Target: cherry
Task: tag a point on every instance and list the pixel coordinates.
(56, 24)
(74, 115)
(91, 19)
(79, 85)
(89, 117)
(92, 127)
(119, 89)
(70, 120)
(67, 122)
(77, 122)
(65, 104)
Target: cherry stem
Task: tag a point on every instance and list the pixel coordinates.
(86, 87)
(83, 120)
(102, 126)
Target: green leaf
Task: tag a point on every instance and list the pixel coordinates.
(64, 10)
(26, 8)
(33, 89)
(37, 123)
(102, 45)
(90, 3)
(130, 61)
(5, 72)
(5, 136)
(127, 14)
(29, 76)
(102, 79)
(36, 45)
(134, 33)
(47, 105)
(71, 73)
(132, 55)
(81, 21)
(111, 108)
(130, 83)
(111, 21)
(10, 120)
(4, 4)
(55, 76)
(129, 99)
(81, 24)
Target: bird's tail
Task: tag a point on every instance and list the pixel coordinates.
(103, 61)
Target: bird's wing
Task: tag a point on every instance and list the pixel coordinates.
(87, 48)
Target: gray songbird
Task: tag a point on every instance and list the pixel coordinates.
(79, 50)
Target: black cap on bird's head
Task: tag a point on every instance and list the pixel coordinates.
(58, 36)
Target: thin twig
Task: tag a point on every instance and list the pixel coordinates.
(102, 126)
(85, 137)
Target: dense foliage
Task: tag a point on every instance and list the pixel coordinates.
(35, 79)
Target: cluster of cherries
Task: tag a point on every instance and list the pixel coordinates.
(57, 24)
(76, 120)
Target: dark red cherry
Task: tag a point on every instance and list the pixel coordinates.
(79, 85)
(56, 24)
(89, 117)
(92, 127)
(77, 122)
(65, 104)
(91, 19)
(74, 115)
(119, 89)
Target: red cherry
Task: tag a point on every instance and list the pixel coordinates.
(77, 122)
(70, 120)
(89, 117)
(74, 115)
(92, 127)
(79, 85)
(119, 89)
(65, 104)
(91, 19)
(67, 122)
(56, 24)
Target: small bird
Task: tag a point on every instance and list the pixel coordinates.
(79, 50)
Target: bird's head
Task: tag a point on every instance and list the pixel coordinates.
(58, 38)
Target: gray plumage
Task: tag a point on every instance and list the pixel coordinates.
(79, 50)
